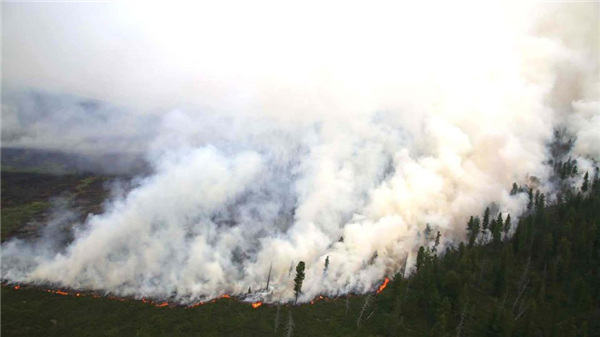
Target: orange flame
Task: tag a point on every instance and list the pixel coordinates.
(161, 305)
(382, 286)
(17, 287)
(196, 305)
(225, 296)
(256, 304)
(58, 292)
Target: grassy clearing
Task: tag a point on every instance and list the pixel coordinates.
(85, 183)
(34, 312)
(17, 216)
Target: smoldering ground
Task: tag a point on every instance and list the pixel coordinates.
(271, 138)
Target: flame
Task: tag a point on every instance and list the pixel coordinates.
(114, 298)
(166, 304)
(58, 292)
(383, 285)
(196, 305)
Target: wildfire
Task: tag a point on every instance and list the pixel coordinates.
(166, 304)
(383, 285)
(114, 298)
(117, 299)
(58, 292)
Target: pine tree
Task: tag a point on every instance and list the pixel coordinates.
(289, 327)
(427, 232)
(473, 230)
(515, 189)
(443, 312)
(507, 226)
(497, 230)
(276, 322)
(299, 279)
(420, 258)
(485, 224)
(437, 242)
(586, 183)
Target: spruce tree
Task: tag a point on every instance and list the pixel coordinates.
(586, 183)
(507, 226)
(485, 224)
(472, 230)
(515, 189)
(299, 279)
(497, 230)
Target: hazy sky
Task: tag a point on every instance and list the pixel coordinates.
(233, 55)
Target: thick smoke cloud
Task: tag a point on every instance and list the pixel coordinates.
(287, 131)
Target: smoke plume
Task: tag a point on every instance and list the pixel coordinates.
(278, 135)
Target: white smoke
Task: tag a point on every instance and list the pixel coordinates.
(312, 124)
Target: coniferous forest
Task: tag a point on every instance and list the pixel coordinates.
(542, 281)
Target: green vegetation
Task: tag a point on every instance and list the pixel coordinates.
(26, 196)
(542, 281)
(17, 216)
(85, 183)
